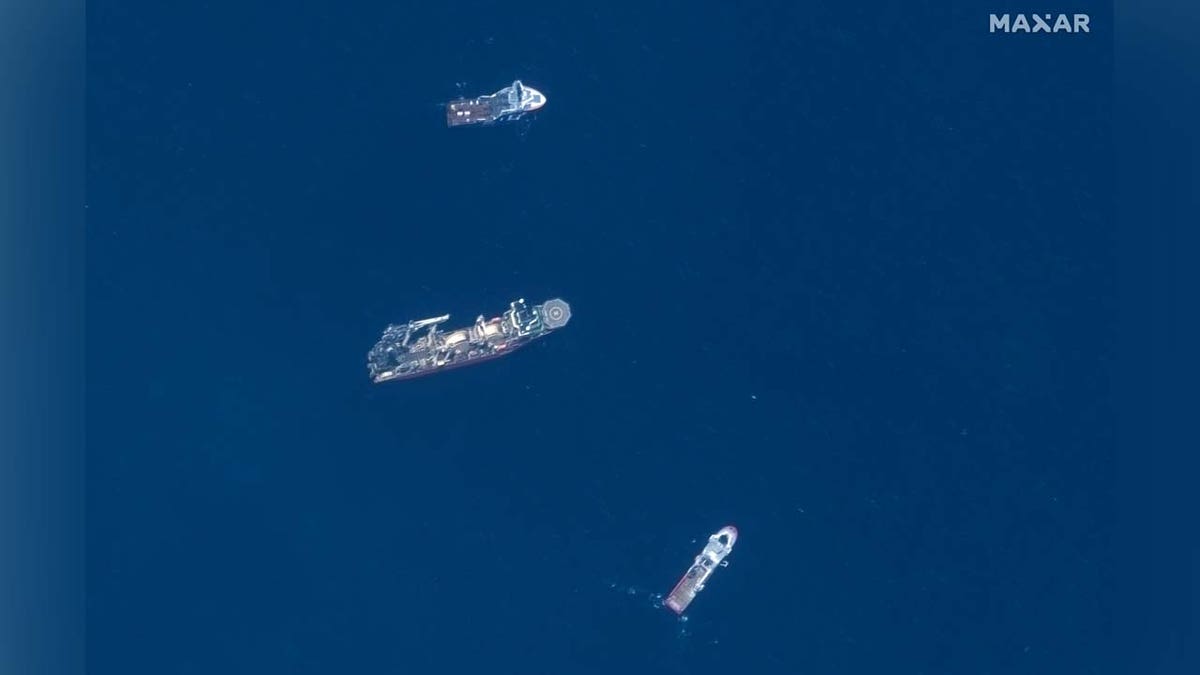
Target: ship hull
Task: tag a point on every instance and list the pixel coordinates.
(692, 582)
(404, 353)
(506, 105)
(449, 366)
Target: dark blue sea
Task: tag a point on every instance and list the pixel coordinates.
(841, 275)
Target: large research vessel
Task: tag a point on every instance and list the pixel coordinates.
(402, 353)
(507, 104)
(719, 545)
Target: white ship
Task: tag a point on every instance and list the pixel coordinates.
(403, 353)
(719, 545)
(508, 104)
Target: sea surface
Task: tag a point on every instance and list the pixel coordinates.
(841, 275)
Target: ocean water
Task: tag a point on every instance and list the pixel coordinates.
(841, 276)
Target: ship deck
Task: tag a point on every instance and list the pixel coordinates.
(483, 110)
